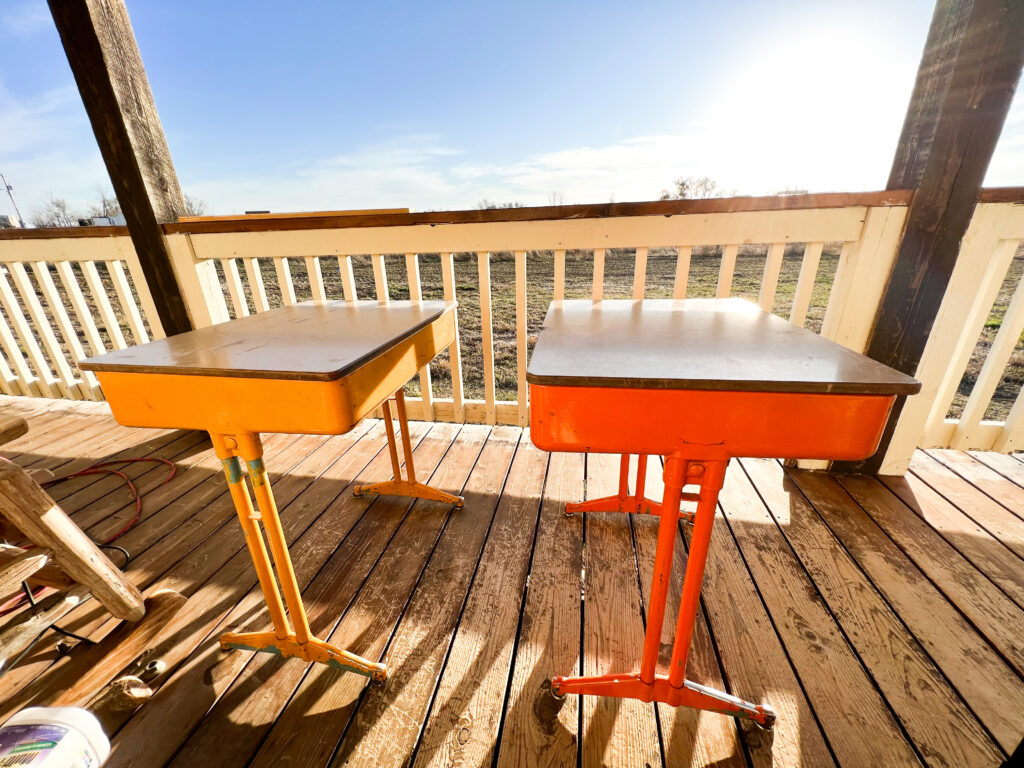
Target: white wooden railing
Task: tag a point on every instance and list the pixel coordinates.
(65, 294)
(64, 299)
(982, 272)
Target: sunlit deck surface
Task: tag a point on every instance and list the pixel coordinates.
(882, 619)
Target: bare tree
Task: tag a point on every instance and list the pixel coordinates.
(106, 207)
(485, 205)
(55, 212)
(194, 206)
(695, 188)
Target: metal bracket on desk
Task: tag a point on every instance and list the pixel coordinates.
(410, 487)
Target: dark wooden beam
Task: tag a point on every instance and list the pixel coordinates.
(969, 72)
(104, 57)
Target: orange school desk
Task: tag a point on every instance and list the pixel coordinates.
(310, 368)
(697, 381)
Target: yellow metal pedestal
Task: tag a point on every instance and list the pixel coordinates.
(397, 486)
(284, 640)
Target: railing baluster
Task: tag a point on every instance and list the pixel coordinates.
(27, 381)
(486, 334)
(1010, 330)
(235, 289)
(9, 383)
(805, 283)
(412, 269)
(90, 387)
(45, 379)
(80, 307)
(380, 277)
(770, 278)
(316, 278)
(682, 271)
(725, 272)
(523, 411)
(597, 290)
(559, 275)
(455, 350)
(348, 279)
(99, 294)
(256, 286)
(124, 295)
(284, 280)
(640, 274)
(67, 382)
(148, 306)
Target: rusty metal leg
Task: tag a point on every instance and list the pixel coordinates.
(283, 641)
(410, 487)
(631, 503)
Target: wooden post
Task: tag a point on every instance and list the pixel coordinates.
(965, 84)
(104, 57)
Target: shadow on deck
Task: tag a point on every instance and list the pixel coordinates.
(883, 620)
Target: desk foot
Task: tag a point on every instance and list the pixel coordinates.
(412, 490)
(624, 501)
(690, 694)
(313, 650)
(410, 487)
(633, 505)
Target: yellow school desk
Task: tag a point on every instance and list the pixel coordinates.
(311, 368)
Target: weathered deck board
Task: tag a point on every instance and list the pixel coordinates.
(985, 551)
(614, 732)
(909, 680)
(859, 725)
(896, 588)
(466, 715)
(990, 686)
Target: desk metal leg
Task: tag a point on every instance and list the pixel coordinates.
(631, 503)
(674, 688)
(409, 487)
(284, 640)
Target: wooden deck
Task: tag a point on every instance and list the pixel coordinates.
(883, 620)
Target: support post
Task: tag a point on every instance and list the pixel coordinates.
(965, 85)
(100, 45)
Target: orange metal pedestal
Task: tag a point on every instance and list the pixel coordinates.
(697, 432)
(673, 688)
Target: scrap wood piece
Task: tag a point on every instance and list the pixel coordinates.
(19, 566)
(92, 668)
(45, 524)
(21, 631)
(48, 575)
(11, 428)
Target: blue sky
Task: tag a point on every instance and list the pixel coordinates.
(328, 105)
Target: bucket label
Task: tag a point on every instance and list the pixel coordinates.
(30, 744)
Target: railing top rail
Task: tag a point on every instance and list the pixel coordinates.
(330, 220)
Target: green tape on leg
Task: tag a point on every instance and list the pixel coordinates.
(233, 469)
(257, 471)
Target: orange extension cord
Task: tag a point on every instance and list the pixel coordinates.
(100, 468)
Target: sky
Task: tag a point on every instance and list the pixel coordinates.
(440, 105)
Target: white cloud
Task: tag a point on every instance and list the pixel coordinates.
(26, 18)
(47, 147)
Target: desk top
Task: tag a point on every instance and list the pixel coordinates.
(310, 341)
(709, 344)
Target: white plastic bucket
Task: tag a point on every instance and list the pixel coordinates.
(53, 737)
